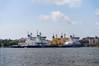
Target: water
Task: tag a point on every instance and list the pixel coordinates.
(49, 56)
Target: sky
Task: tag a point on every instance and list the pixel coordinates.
(78, 17)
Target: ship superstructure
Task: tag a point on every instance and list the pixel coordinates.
(41, 41)
(37, 40)
(65, 41)
(73, 41)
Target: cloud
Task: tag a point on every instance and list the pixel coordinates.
(56, 16)
(70, 3)
(97, 24)
(97, 11)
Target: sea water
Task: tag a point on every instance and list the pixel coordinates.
(49, 56)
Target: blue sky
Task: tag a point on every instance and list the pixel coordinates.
(79, 17)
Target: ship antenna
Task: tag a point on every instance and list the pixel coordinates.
(37, 32)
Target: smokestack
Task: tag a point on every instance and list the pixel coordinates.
(61, 35)
(53, 36)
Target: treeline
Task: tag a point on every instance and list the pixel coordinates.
(8, 42)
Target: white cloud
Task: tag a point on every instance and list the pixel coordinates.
(97, 11)
(71, 3)
(97, 24)
(57, 2)
(56, 16)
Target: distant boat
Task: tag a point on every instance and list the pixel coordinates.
(41, 41)
(73, 41)
(38, 40)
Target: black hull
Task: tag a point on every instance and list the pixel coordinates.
(65, 46)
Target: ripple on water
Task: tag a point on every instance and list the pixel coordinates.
(49, 57)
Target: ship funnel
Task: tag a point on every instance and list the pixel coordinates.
(53, 36)
(61, 35)
(29, 34)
